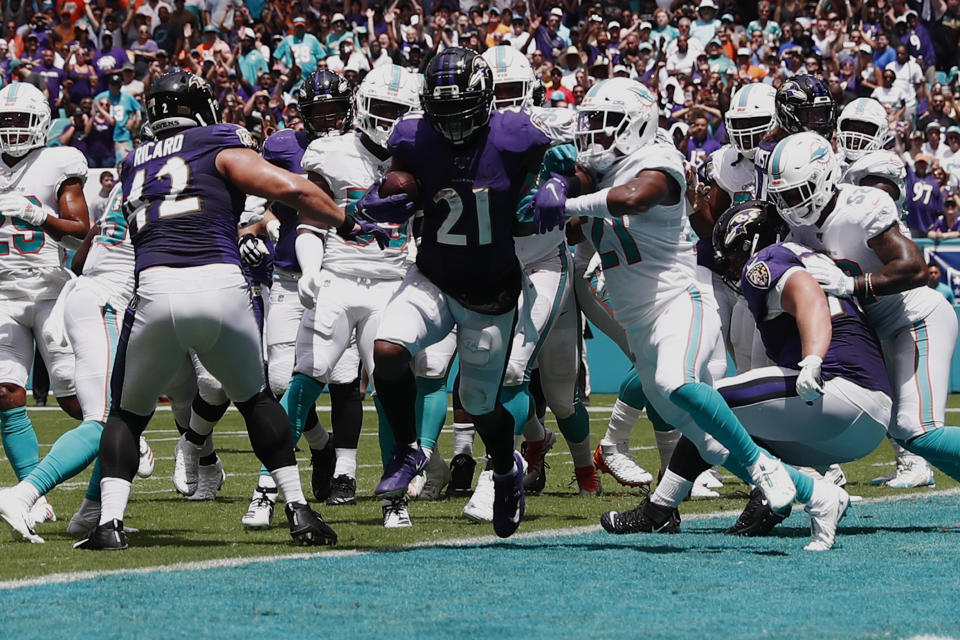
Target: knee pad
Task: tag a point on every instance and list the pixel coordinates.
(476, 400)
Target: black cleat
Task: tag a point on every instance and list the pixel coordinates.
(757, 518)
(646, 518)
(462, 468)
(323, 461)
(105, 537)
(307, 526)
(343, 490)
(535, 485)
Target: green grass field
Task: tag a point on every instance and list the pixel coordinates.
(174, 530)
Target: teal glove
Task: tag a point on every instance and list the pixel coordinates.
(559, 159)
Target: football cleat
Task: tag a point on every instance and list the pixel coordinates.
(436, 477)
(757, 518)
(480, 506)
(307, 526)
(85, 519)
(395, 513)
(42, 511)
(416, 485)
(405, 462)
(835, 475)
(508, 500)
(324, 461)
(535, 479)
(147, 461)
(105, 537)
(646, 518)
(703, 486)
(588, 481)
(771, 476)
(210, 479)
(915, 473)
(17, 513)
(343, 490)
(186, 460)
(260, 511)
(462, 468)
(619, 463)
(826, 509)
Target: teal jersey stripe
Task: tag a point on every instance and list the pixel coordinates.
(696, 326)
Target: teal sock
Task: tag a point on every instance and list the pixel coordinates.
(802, 482)
(93, 488)
(431, 409)
(19, 441)
(631, 391)
(941, 447)
(296, 401)
(709, 411)
(517, 401)
(576, 426)
(384, 433)
(70, 455)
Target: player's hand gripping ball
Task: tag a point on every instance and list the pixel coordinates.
(393, 198)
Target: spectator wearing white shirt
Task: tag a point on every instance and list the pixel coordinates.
(950, 161)
(909, 76)
(98, 204)
(681, 61)
(891, 96)
(933, 145)
(696, 45)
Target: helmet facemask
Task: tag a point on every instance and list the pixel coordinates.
(22, 131)
(458, 116)
(746, 133)
(378, 117)
(326, 117)
(512, 94)
(596, 137)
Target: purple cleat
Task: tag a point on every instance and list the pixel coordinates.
(404, 464)
(508, 500)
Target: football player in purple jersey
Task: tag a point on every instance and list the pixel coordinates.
(183, 197)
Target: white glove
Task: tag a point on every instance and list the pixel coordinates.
(273, 230)
(307, 287)
(833, 281)
(253, 250)
(253, 209)
(810, 382)
(16, 206)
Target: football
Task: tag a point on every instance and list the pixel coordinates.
(397, 182)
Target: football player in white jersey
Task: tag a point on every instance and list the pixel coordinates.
(346, 284)
(41, 197)
(860, 228)
(863, 133)
(637, 221)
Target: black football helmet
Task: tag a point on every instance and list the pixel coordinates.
(743, 230)
(326, 103)
(181, 99)
(803, 103)
(457, 94)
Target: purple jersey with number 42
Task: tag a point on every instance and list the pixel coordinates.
(285, 149)
(182, 212)
(469, 195)
(854, 352)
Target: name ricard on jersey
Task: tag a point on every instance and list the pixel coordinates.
(159, 149)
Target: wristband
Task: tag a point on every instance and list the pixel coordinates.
(593, 205)
(349, 222)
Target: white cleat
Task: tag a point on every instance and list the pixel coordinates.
(186, 461)
(827, 507)
(210, 479)
(437, 477)
(16, 513)
(260, 511)
(703, 486)
(147, 461)
(835, 474)
(915, 473)
(415, 488)
(772, 478)
(42, 511)
(480, 506)
(395, 513)
(616, 460)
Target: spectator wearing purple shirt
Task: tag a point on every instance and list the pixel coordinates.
(919, 44)
(108, 58)
(53, 76)
(946, 225)
(697, 145)
(548, 40)
(924, 199)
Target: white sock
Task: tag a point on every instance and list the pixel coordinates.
(666, 443)
(533, 430)
(671, 490)
(26, 492)
(622, 419)
(463, 433)
(114, 494)
(581, 452)
(199, 425)
(317, 437)
(207, 447)
(427, 452)
(346, 463)
(288, 483)
(266, 482)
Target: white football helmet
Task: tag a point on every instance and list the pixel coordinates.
(752, 115)
(863, 126)
(617, 117)
(886, 165)
(513, 78)
(804, 172)
(386, 93)
(24, 119)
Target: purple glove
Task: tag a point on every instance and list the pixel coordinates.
(395, 209)
(351, 229)
(550, 203)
